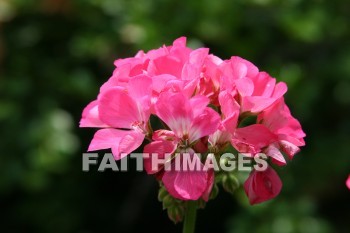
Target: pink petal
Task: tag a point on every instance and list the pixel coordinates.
(189, 87)
(280, 89)
(160, 81)
(231, 109)
(227, 84)
(140, 88)
(228, 104)
(204, 124)
(348, 182)
(186, 185)
(179, 50)
(163, 135)
(121, 141)
(198, 56)
(202, 145)
(127, 61)
(118, 109)
(180, 42)
(276, 155)
(264, 85)
(157, 149)
(120, 77)
(252, 139)
(174, 86)
(154, 54)
(190, 72)
(262, 98)
(210, 185)
(230, 123)
(262, 186)
(90, 116)
(280, 122)
(292, 128)
(166, 65)
(239, 69)
(214, 60)
(289, 148)
(275, 116)
(256, 104)
(252, 70)
(198, 104)
(175, 110)
(245, 86)
(128, 144)
(219, 137)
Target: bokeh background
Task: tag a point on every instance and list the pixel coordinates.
(55, 54)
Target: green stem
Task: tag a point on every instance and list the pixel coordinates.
(190, 217)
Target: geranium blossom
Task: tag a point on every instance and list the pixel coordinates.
(188, 120)
(124, 112)
(198, 103)
(262, 185)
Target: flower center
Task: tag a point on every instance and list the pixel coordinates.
(139, 126)
(184, 142)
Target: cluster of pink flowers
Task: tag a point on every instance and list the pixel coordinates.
(201, 101)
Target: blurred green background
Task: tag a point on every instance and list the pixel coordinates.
(55, 54)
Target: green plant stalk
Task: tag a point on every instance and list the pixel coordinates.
(190, 217)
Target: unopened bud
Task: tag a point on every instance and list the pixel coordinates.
(176, 213)
(168, 201)
(230, 183)
(162, 193)
(214, 192)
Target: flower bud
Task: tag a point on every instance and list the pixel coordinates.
(162, 193)
(174, 207)
(176, 213)
(168, 201)
(230, 183)
(214, 192)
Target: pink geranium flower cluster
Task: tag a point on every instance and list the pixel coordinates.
(201, 100)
